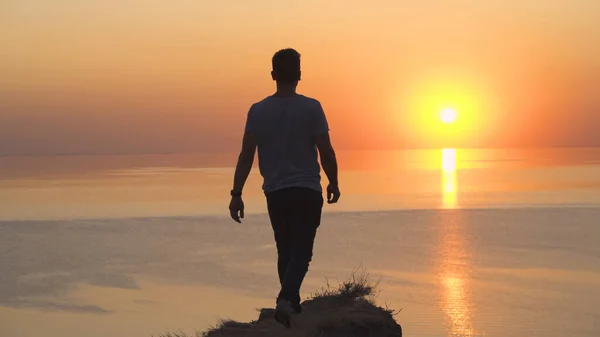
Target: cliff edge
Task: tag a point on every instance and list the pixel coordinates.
(348, 310)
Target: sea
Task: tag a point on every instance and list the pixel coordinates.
(462, 242)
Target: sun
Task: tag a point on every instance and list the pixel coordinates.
(448, 115)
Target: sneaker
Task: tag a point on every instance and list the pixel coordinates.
(283, 313)
(297, 307)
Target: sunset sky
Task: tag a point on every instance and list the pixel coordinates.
(179, 76)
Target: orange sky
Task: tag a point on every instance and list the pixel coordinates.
(155, 76)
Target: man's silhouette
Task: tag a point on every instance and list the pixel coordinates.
(288, 129)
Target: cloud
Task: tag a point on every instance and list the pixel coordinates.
(53, 306)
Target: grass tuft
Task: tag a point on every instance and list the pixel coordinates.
(357, 286)
(179, 334)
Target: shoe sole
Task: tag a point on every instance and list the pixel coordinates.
(283, 318)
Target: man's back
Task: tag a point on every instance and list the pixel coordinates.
(285, 129)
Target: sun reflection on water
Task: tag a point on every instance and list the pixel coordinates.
(456, 304)
(449, 189)
(455, 299)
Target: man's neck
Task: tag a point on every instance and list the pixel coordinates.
(285, 90)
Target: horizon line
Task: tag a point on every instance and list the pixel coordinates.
(94, 154)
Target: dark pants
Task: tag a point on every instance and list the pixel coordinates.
(295, 215)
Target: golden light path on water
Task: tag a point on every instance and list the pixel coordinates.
(449, 178)
(454, 278)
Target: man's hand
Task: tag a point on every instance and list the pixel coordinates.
(333, 194)
(236, 208)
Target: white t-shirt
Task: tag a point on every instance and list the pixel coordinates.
(285, 129)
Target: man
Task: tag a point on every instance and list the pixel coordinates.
(288, 129)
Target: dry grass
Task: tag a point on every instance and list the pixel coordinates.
(180, 334)
(358, 285)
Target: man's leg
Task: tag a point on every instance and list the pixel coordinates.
(276, 205)
(305, 218)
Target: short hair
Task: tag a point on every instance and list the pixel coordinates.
(286, 65)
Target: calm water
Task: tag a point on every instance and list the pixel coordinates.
(465, 242)
(193, 185)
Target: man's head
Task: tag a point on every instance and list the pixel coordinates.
(286, 66)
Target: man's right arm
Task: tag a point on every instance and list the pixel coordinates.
(327, 154)
(329, 163)
(328, 159)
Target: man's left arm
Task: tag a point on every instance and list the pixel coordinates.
(245, 161)
(243, 167)
(242, 170)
